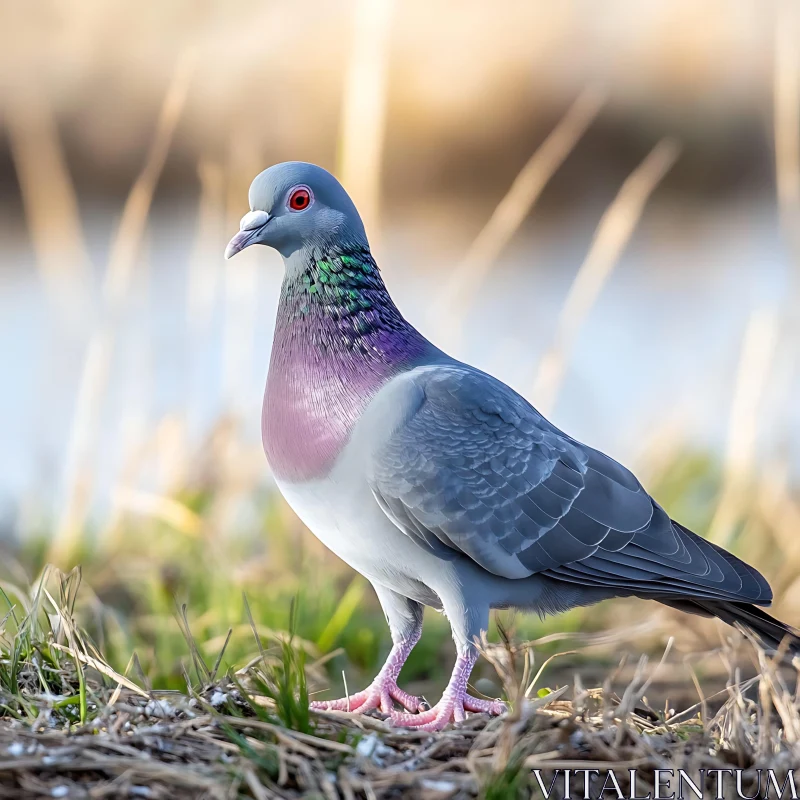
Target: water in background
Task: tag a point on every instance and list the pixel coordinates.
(661, 345)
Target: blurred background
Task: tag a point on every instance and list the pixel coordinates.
(599, 203)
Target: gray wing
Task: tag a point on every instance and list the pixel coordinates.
(475, 469)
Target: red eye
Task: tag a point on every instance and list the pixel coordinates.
(300, 199)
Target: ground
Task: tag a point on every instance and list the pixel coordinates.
(249, 734)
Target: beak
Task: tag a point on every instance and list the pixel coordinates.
(249, 228)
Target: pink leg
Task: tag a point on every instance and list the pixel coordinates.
(384, 688)
(454, 703)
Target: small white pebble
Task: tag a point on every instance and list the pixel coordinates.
(366, 745)
(59, 791)
(15, 749)
(218, 698)
(371, 747)
(438, 786)
(162, 709)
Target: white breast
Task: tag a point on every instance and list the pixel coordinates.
(341, 511)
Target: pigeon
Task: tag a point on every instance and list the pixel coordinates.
(436, 481)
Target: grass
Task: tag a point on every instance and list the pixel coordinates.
(148, 584)
(182, 665)
(73, 726)
(179, 660)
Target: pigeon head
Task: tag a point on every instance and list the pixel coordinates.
(295, 206)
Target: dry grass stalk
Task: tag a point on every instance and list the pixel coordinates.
(363, 121)
(466, 279)
(755, 361)
(99, 353)
(76, 479)
(240, 281)
(170, 511)
(140, 446)
(132, 225)
(786, 123)
(787, 110)
(51, 206)
(612, 235)
(781, 513)
(207, 244)
(185, 744)
(663, 447)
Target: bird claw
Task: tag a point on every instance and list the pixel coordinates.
(447, 710)
(379, 695)
(494, 708)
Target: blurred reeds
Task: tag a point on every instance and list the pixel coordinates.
(116, 287)
(613, 232)
(461, 288)
(363, 115)
(51, 206)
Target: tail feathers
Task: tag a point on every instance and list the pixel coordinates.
(770, 633)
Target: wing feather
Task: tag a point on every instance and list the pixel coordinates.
(476, 470)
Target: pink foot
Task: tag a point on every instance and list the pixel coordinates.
(379, 694)
(447, 710)
(454, 704)
(382, 691)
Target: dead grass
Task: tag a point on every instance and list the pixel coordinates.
(71, 726)
(174, 745)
